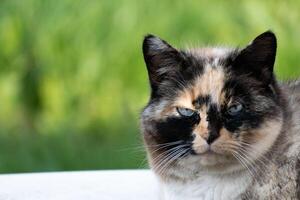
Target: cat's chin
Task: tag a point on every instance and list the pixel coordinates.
(208, 162)
(209, 159)
(193, 166)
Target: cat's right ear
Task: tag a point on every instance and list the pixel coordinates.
(162, 60)
(258, 58)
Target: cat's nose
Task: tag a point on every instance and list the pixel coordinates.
(212, 136)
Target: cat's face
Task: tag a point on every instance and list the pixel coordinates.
(211, 109)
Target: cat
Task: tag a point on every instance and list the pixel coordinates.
(218, 125)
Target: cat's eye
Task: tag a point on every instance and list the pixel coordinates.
(235, 109)
(185, 112)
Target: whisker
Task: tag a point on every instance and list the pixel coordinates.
(165, 153)
(172, 158)
(166, 156)
(260, 159)
(244, 162)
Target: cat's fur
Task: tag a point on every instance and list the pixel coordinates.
(241, 137)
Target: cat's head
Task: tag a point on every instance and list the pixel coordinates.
(211, 109)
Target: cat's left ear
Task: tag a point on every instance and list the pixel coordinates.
(258, 57)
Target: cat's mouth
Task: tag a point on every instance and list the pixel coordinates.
(209, 158)
(204, 152)
(208, 152)
(206, 149)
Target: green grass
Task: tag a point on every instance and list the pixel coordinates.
(69, 151)
(73, 81)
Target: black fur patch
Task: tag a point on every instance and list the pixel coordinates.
(214, 123)
(177, 128)
(257, 59)
(202, 100)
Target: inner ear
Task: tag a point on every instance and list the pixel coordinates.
(162, 60)
(258, 58)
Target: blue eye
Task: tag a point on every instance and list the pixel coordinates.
(185, 112)
(235, 109)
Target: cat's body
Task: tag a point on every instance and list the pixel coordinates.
(219, 125)
(280, 170)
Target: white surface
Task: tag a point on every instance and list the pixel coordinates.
(86, 185)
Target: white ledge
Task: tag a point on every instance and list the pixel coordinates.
(82, 185)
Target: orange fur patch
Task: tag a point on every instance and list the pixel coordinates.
(211, 83)
(202, 128)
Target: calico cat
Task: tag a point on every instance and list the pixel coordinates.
(218, 125)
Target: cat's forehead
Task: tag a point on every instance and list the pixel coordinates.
(207, 86)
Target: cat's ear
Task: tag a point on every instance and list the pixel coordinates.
(161, 59)
(258, 57)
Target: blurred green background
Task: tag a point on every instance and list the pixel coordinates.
(73, 81)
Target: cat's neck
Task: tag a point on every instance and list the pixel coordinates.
(208, 186)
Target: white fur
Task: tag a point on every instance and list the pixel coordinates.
(219, 52)
(208, 187)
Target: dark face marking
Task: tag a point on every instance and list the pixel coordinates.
(214, 123)
(201, 100)
(177, 128)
